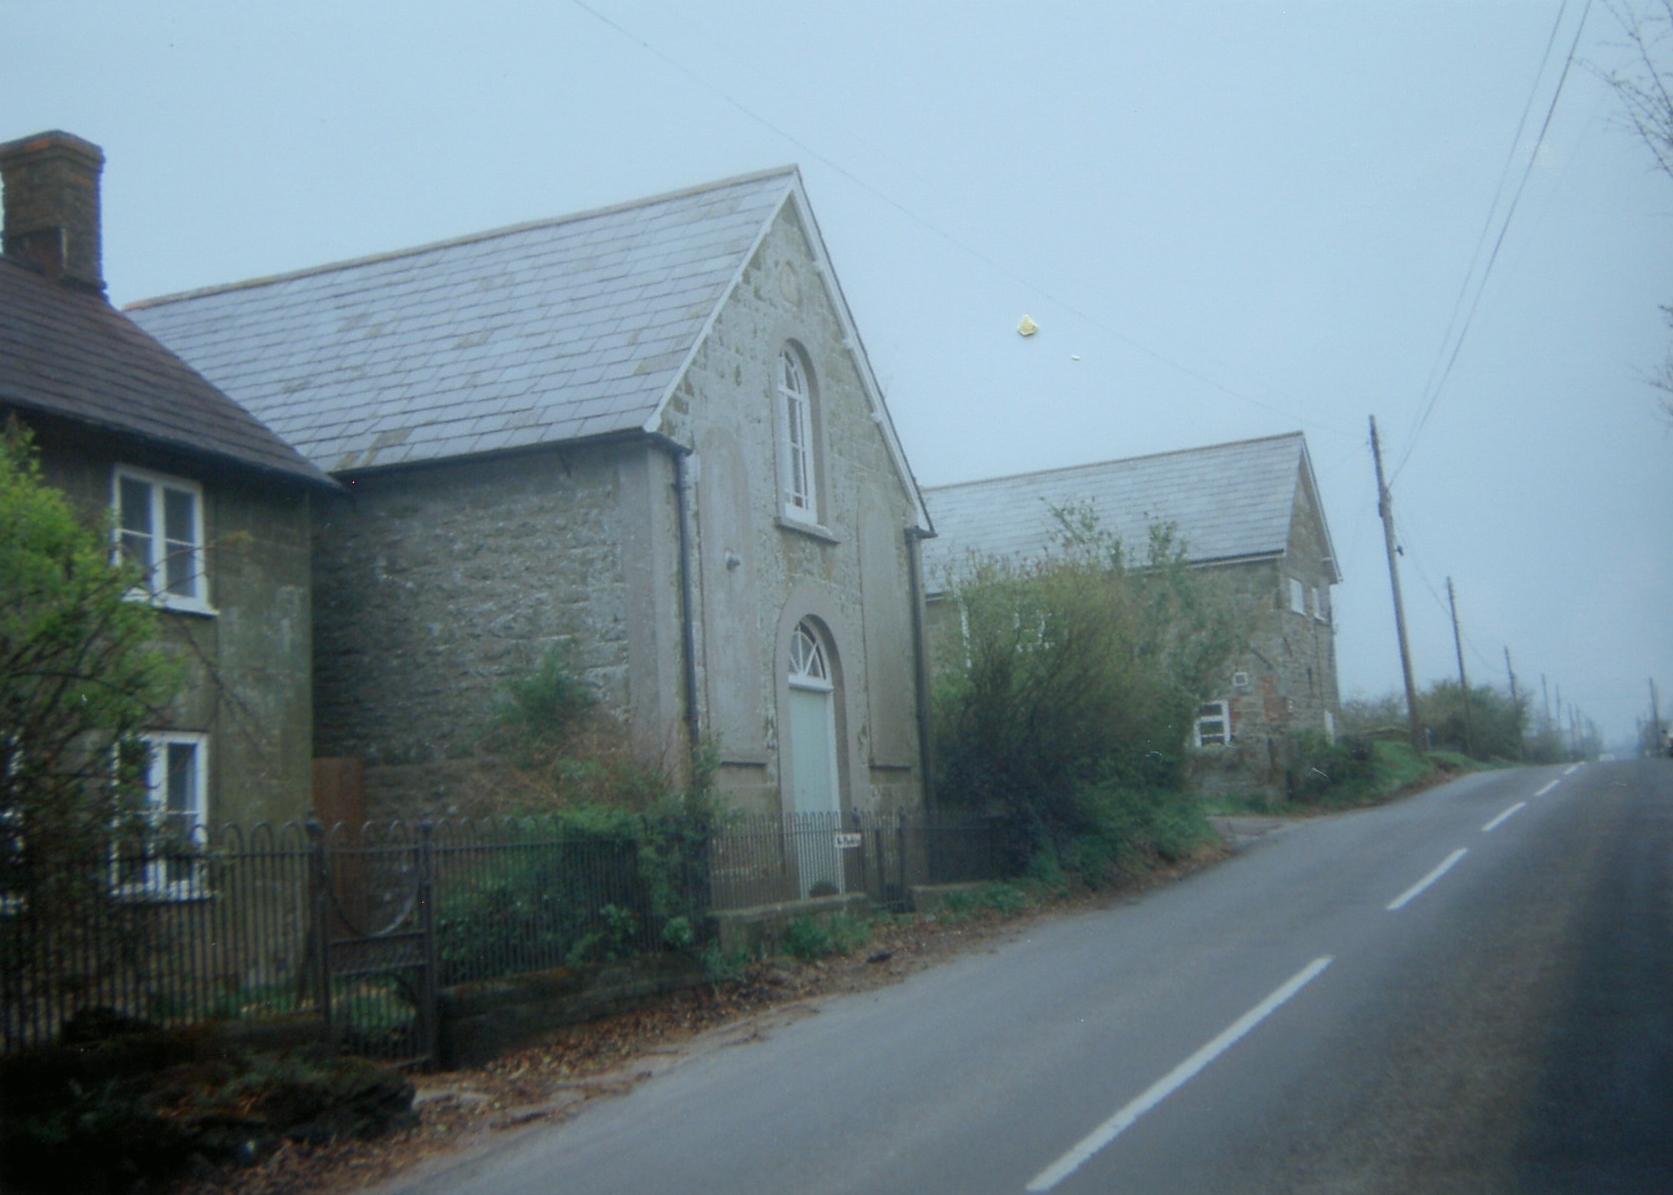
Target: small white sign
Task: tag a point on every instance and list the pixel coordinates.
(847, 842)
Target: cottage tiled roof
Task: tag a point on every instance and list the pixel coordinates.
(1227, 502)
(543, 333)
(65, 351)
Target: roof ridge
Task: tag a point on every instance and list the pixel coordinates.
(789, 171)
(1123, 460)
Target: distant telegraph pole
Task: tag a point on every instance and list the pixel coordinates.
(1463, 680)
(1515, 704)
(1385, 508)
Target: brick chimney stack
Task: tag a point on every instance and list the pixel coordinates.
(51, 185)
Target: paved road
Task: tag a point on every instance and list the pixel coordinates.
(1468, 991)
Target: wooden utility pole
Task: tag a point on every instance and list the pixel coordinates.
(1655, 714)
(1385, 509)
(1515, 704)
(1463, 680)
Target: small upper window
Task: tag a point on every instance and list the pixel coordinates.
(797, 480)
(159, 526)
(1298, 596)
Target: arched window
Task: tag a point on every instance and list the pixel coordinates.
(801, 499)
(808, 667)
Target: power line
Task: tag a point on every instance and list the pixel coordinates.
(1498, 194)
(949, 238)
(1504, 228)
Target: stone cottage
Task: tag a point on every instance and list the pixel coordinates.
(208, 500)
(646, 436)
(1249, 511)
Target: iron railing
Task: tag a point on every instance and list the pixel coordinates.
(363, 926)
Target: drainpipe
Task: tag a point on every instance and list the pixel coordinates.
(920, 659)
(682, 456)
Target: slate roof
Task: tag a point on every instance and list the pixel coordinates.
(65, 351)
(1228, 502)
(543, 333)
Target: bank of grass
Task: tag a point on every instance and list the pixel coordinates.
(1344, 776)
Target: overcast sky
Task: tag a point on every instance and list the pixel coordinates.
(1230, 218)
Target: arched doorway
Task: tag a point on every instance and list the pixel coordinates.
(815, 791)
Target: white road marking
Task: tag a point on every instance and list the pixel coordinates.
(1173, 1081)
(1488, 828)
(1573, 768)
(1401, 901)
(1548, 787)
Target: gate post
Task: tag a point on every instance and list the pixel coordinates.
(428, 1003)
(319, 914)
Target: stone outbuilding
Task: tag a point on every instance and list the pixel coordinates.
(210, 502)
(645, 436)
(1249, 511)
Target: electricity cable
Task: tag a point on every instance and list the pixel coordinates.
(949, 238)
(1498, 244)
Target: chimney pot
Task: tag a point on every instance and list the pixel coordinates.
(51, 206)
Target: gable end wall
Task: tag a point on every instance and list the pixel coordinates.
(757, 577)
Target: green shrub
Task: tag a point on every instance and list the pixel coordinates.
(1125, 827)
(806, 939)
(1003, 898)
(1073, 678)
(721, 966)
(1320, 769)
(570, 895)
(812, 938)
(546, 706)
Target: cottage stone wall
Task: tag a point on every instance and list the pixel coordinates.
(1292, 662)
(248, 665)
(761, 573)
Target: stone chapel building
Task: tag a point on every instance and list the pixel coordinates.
(647, 435)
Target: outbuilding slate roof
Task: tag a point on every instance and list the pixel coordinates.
(547, 332)
(65, 351)
(1227, 502)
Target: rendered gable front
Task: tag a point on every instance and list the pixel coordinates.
(762, 572)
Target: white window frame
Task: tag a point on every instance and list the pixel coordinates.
(11, 832)
(169, 878)
(798, 464)
(159, 552)
(1298, 597)
(1222, 714)
(810, 668)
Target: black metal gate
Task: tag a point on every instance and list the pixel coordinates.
(373, 936)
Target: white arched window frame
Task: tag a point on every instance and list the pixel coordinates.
(809, 667)
(801, 499)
